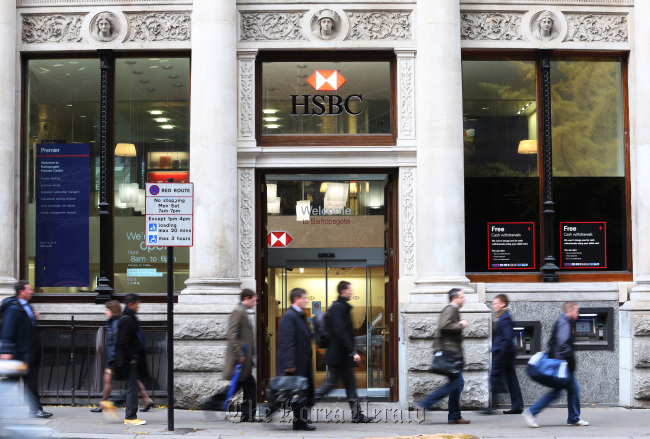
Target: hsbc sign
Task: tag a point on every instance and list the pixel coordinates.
(279, 239)
(320, 104)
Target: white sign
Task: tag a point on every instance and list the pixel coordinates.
(169, 209)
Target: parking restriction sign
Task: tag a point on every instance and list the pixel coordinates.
(169, 214)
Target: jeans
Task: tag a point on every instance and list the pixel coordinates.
(573, 400)
(453, 388)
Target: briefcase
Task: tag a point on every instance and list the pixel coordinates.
(287, 390)
(446, 363)
(549, 372)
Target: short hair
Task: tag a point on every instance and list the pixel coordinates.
(296, 293)
(343, 285)
(20, 285)
(114, 307)
(131, 298)
(502, 297)
(247, 293)
(453, 293)
(568, 306)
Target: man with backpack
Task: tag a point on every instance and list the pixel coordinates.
(21, 341)
(560, 346)
(341, 355)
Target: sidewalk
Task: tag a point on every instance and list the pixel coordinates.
(333, 421)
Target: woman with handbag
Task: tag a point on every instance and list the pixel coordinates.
(447, 347)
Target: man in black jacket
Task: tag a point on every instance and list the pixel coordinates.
(21, 341)
(294, 353)
(561, 346)
(341, 355)
(130, 358)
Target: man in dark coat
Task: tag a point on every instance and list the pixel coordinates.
(503, 358)
(295, 353)
(561, 346)
(130, 360)
(449, 338)
(21, 341)
(341, 355)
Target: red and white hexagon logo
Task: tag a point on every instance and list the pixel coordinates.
(279, 239)
(326, 80)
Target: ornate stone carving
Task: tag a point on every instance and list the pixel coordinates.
(384, 25)
(326, 24)
(545, 26)
(246, 100)
(407, 189)
(597, 28)
(56, 28)
(406, 71)
(247, 223)
(105, 27)
(261, 26)
(490, 26)
(159, 26)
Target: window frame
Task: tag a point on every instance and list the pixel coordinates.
(317, 139)
(564, 275)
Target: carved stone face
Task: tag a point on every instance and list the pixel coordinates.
(104, 26)
(546, 23)
(326, 25)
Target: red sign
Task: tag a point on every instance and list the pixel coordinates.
(326, 80)
(279, 239)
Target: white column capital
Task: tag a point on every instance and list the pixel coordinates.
(247, 53)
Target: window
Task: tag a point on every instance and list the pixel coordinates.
(325, 99)
(503, 184)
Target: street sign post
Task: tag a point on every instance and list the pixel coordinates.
(169, 217)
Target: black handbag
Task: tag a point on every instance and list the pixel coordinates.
(446, 363)
(287, 390)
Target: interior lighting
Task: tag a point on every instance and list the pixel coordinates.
(271, 119)
(167, 127)
(125, 150)
(155, 112)
(269, 111)
(161, 119)
(273, 126)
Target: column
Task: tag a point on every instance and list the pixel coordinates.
(9, 147)
(201, 315)
(634, 321)
(440, 220)
(214, 271)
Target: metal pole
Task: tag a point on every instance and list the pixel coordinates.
(170, 336)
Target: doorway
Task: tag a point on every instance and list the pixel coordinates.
(345, 234)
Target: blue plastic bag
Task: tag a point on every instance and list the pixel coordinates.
(549, 372)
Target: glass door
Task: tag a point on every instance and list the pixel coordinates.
(320, 279)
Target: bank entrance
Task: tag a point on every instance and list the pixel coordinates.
(321, 229)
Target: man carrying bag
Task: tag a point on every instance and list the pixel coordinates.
(449, 339)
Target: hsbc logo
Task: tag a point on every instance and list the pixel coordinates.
(279, 239)
(320, 104)
(326, 80)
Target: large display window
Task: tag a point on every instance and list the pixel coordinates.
(61, 180)
(503, 154)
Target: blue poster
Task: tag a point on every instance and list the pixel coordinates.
(62, 191)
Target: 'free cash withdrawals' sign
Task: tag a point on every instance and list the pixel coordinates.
(511, 246)
(62, 193)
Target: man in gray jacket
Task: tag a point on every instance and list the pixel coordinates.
(561, 346)
(448, 338)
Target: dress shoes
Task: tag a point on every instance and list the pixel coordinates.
(513, 412)
(303, 426)
(247, 419)
(460, 421)
(39, 414)
(363, 419)
(487, 411)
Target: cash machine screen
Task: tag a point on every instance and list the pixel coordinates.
(584, 327)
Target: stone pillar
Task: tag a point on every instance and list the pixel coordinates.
(440, 249)
(440, 220)
(201, 315)
(634, 373)
(9, 148)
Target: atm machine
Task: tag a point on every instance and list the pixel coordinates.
(526, 339)
(594, 329)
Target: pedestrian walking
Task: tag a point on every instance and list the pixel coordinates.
(239, 352)
(130, 360)
(113, 312)
(295, 353)
(503, 358)
(341, 355)
(561, 346)
(448, 337)
(21, 341)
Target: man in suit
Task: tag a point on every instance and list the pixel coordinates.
(294, 353)
(503, 358)
(130, 356)
(341, 355)
(448, 338)
(239, 351)
(21, 341)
